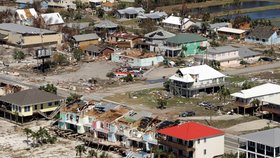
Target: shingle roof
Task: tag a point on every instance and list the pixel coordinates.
(93, 48)
(86, 37)
(191, 131)
(269, 137)
(106, 24)
(244, 52)
(222, 49)
(22, 29)
(30, 97)
(159, 34)
(261, 32)
(185, 38)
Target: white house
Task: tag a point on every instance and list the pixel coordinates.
(228, 56)
(231, 32)
(192, 140)
(190, 81)
(245, 97)
(129, 13)
(261, 144)
(53, 20)
(176, 23)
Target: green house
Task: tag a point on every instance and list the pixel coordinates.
(186, 43)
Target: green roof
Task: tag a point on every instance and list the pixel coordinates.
(185, 38)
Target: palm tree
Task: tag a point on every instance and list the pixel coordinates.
(80, 149)
(256, 103)
(247, 85)
(28, 132)
(92, 153)
(223, 93)
(183, 51)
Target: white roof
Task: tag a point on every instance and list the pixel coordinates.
(52, 18)
(275, 99)
(231, 30)
(175, 20)
(23, 14)
(204, 72)
(258, 91)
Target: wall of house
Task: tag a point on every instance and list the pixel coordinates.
(116, 57)
(214, 146)
(274, 39)
(192, 48)
(85, 44)
(45, 108)
(223, 56)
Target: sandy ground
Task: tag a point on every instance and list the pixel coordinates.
(13, 144)
(87, 70)
(251, 126)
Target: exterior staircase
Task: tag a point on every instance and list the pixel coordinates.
(53, 114)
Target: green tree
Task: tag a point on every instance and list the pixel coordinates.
(166, 85)
(162, 102)
(73, 97)
(215, 64)
(256, 103)
(49, 88)
(184, 51)
(100, 12)
(80, 150)
(78, 54)
(92, 154)
(18, 55)
(60, 59)
(128, 78)
(247, 85)
(205, 27)
(28, 132)
(223, 93)
(206, 17)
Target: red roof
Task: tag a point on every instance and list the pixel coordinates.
(190, 131)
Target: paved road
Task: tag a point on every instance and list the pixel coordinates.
(254, 69)
(222, 117)
(231, 143)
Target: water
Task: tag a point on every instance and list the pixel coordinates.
(268, 14)
(244, 5)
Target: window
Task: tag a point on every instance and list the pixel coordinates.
(198, 141)
(268, 148)
(251, 144)
(263, 40)
(204, 140)
(35, 107)
(56, 103)
(204, 152)
(16, 108)
(260, 146)
(50, 104)
(42, 106)
(19, 109)
(26, 108)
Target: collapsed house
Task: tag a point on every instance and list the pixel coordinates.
(136, 58)
(110, 123)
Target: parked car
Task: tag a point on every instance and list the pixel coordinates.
(187, 113)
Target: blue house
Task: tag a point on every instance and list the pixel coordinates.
(265, 35)
(22, 4)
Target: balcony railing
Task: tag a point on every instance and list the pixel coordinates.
(202, 85)
(175, 145)
(271, 109)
